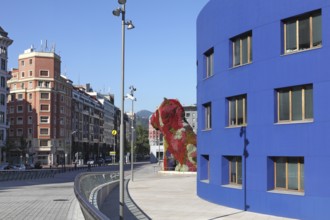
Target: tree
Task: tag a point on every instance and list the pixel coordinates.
(6, 149)
(142, 141)
(23, 147)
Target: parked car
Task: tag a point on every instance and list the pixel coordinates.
(37, 165)
(108, 159)
(29, 166)
(100, 161)
(3, 166)
(90, 161)
(20, 167)
(10, 167)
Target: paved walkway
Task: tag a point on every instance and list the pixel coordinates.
(173, 196)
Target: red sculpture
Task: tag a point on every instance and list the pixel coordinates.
(179, 137)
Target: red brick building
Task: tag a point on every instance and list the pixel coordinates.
(39, 109)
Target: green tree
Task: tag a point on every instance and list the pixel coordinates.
(23, 148)
(142, 141)
(6, 149)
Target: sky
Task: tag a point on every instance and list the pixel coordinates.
(160, 54)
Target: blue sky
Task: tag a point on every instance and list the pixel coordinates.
(160, 51)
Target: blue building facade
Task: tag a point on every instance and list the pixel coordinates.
(263, 88)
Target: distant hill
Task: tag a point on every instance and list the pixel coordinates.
(142, 118)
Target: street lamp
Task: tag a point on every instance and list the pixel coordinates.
(130, 25)
(131, 97)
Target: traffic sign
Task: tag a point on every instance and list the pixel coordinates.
(114, 132)
(113, 153)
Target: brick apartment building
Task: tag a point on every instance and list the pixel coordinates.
(39, 109)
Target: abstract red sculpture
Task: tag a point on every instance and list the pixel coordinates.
(179, 137)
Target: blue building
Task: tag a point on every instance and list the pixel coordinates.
(263, 100)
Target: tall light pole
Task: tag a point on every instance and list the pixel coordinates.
(130, 25)
(131, 97)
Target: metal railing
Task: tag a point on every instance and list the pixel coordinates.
(86, 187)
(16, 175)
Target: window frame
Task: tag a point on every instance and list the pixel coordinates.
(43, 93)
(43, 143)
(20, 96)
(43, 121)
(301, 161)
(297, 20)
(244, 109)
(247, 35)
(19, 132)
(205, 169)
(43, 71)
(209, 62)
(44, 129)
(303, 104)
(42, 110)
(237, 162)
(19, 109)
(207, 107)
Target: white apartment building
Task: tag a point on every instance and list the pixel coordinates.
(5, 42)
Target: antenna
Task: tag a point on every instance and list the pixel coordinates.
(53, 47)
(46, 48)
(41, 46)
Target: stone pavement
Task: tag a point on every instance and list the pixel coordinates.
(173, 196)
(51, 198)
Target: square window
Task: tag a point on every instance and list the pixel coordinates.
(44, 107)
(237, 109)
(44, 73)
(289, 173)
(44, 119)
(19, 120)
(19, 108)
(295, 103)
(44, 95)
(302, 32)
(43, 143)
(232, 171)
(19, 96)
(242, 49)
(43, 131)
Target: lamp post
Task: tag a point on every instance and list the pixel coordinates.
(131, 97)
(130, 25)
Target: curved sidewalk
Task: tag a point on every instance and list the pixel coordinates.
(173, 196)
